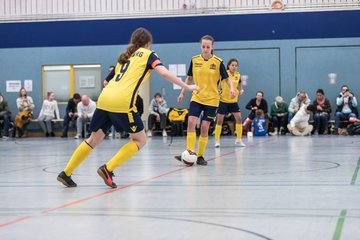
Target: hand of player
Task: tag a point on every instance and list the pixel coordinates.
(241, 92)
(193, 88)
(232, 93)
(319, 108)
(105, 83)
(180, 98)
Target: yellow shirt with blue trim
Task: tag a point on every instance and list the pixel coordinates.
(207, 74)
(125, 80)
(225, 92)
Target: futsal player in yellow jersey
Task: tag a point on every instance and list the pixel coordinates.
(230, 105)
(207, 71)
(116, 106)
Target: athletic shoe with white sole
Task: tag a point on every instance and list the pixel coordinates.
(240, 143)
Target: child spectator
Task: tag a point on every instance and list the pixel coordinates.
(48, 112)
(258, 126)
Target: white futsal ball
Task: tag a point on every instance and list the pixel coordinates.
(188, 157)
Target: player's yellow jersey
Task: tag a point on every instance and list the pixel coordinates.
(207, 75)
(121, 92)
(225, 93)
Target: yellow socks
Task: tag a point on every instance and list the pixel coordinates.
(202, 145)
(239, 129)
(217, 132)
(191, 141)
(124, 154)
(82, 151)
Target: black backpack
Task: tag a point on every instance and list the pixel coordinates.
(354, 129)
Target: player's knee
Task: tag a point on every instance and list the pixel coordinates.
(140, 142)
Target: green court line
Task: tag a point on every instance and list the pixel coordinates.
(353, 180)
(339, 225)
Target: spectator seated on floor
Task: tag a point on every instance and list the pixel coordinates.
(301, 99)
(346, 107)
(157, 113)
(299, 124)
(258, 126)
(86, 109)
(322, 113)
(279, 115)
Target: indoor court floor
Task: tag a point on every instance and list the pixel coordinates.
(280, 187)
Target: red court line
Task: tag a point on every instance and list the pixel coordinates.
(15, 221)
(110, 191)
(12, 222)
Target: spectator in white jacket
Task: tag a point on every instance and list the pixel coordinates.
(86, 109)
(297, 102)
(299, 124)
(49, 111)
(157, 113)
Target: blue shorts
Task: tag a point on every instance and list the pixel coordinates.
(225, 108)
(209, 112)
(128, 122)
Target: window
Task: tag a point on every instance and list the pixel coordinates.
(65, 80)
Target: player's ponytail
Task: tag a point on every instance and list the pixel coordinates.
(139, 38)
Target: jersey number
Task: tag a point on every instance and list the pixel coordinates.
(123, 69)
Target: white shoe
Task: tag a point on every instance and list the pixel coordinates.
(164, 133)
(77, 136)
(149, 134)
(217, 144)
(117, 135)
(110, 134)
(240, 143)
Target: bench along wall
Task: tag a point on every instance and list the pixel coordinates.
(282, 53)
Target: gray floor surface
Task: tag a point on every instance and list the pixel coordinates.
(279, 187)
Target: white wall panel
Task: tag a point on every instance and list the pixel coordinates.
(77, 9)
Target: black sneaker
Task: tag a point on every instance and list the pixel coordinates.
(67, 181)
(107, 176)
(178, 157)
(201, 161)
